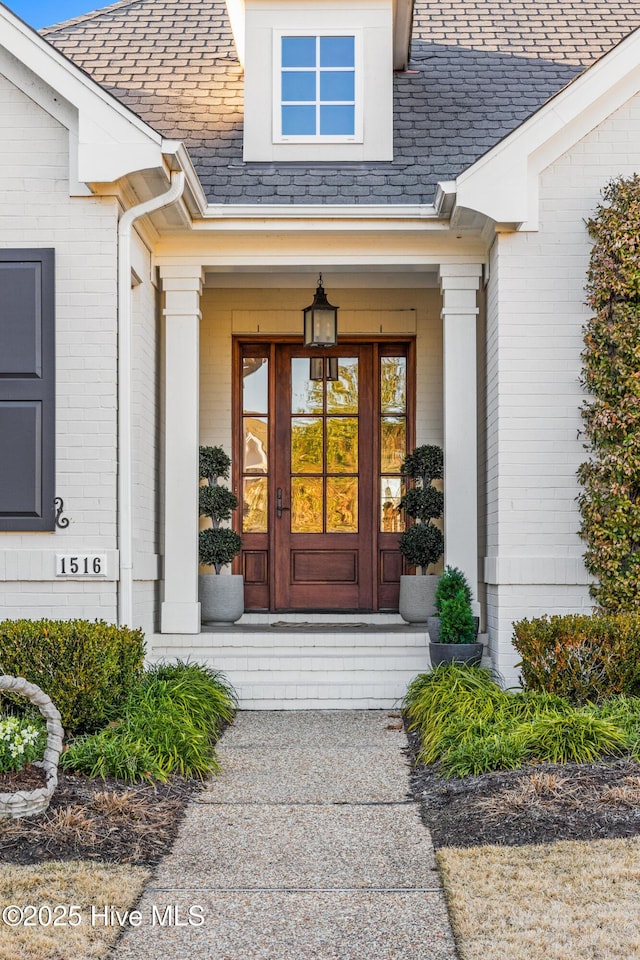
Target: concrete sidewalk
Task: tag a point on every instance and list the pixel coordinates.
(308, 847)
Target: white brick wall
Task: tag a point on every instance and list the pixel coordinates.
(534, 339)
(36, 211)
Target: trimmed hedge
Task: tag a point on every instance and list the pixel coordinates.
(88, 669)
(581, 657)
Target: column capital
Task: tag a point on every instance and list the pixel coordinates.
(460, 276)
(179, 276)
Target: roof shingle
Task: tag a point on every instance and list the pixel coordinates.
(478, 69)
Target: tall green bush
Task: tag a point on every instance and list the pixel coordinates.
(610, 499)
(88, 669)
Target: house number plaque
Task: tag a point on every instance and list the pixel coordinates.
(81, 565)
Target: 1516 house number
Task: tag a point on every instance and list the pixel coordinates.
(81, 565)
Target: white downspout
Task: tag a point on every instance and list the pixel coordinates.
(125, 394)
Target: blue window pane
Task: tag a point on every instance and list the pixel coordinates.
(298, 51)
(298, 121)
(298, 85)
(337, 85)
(337, 121)
(337, 52)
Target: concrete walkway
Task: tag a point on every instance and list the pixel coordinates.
(308, 847)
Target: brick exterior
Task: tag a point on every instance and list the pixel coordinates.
(535, 316)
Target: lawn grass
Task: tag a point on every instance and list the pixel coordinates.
(573, 900)
(77, 882)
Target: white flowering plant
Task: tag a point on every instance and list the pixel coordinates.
(21, 742)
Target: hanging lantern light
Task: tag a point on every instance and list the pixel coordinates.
(316, 368)
(320, 320)
(332, 368)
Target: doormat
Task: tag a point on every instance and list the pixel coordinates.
(309, 625)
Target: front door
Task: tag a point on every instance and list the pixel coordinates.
(322, 439)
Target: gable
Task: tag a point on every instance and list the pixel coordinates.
(504, 184)
(106, 139)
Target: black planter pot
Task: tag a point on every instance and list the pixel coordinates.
(469, 654)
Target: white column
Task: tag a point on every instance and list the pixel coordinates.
(182, 288)
(459, 284)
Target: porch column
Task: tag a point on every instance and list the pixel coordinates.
(459, 283)
(182, 287)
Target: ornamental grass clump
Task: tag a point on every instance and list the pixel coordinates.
(169, 725)
(470, 726)
(610, 499)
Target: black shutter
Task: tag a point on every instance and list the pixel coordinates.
(27, 390)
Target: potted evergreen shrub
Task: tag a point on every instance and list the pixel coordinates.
(422, 543)
(450, 583)
(458, 632)
(221, 597)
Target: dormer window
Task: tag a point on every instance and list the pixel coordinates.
(318, 81)
(318, 89)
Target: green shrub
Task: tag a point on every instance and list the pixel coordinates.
(88, 669)
(456, 620)
(450, 583)
(610, 499)
(580, 657)
(169, 725)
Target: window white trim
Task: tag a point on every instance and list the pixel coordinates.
(358, 134)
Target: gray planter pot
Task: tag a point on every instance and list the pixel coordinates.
(221, 597)
(417, 597)
(469, 654)
(433, 628)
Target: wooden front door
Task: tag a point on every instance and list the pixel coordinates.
(320, 474)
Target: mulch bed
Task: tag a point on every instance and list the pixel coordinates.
(29, 778)
(101, 820)
(541, 803)
(113, 822)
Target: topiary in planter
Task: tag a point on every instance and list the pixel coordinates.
(221, 598)
(422, 543)
(218, 545)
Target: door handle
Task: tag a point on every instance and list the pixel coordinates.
(279, 507)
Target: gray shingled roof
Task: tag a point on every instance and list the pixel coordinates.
(479, 68)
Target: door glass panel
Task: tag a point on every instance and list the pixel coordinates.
(255, 383)
(342, 445)
(306, 505)
(254, 505)
(391, 490)
(392, 443)
(306, 445)
(393, 384)
(255, 445)
(342, 504)
(342, 394)
(306, 394)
